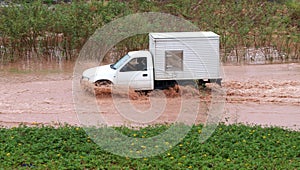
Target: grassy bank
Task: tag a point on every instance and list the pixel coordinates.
(38, 30)
(230, 147)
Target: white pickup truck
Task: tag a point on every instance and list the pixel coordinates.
(172, 57)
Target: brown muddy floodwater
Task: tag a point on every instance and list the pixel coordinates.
(267, 95)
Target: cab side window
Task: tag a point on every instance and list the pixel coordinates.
(136, 64)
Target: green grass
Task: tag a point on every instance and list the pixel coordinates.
(230, 147)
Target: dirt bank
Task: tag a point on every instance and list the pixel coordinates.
(255, 94)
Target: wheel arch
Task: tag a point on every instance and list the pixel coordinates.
(107, 81)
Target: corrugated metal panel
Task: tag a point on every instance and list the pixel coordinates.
(200, 55)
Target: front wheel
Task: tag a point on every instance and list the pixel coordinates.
(103, 83)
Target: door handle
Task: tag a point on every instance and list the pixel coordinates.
(145, 75)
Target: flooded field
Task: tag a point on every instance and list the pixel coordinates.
(255, 94)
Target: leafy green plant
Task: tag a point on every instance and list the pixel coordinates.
(230, 147)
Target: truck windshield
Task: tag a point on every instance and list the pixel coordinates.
(119, 63)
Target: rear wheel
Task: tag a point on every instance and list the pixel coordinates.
(201, 83)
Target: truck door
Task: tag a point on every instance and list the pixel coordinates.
(135, 74)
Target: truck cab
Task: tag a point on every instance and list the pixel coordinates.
(134, 70)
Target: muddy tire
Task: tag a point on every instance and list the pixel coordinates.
(201, 84)
(103, 83)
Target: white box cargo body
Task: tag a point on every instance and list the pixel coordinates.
(185, 55)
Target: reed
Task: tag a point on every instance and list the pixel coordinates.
(39, 30)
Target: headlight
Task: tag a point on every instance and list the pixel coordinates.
(85, 78)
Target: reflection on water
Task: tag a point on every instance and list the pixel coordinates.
(30, 66)
(263, 55)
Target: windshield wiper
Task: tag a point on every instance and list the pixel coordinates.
(112, 66)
